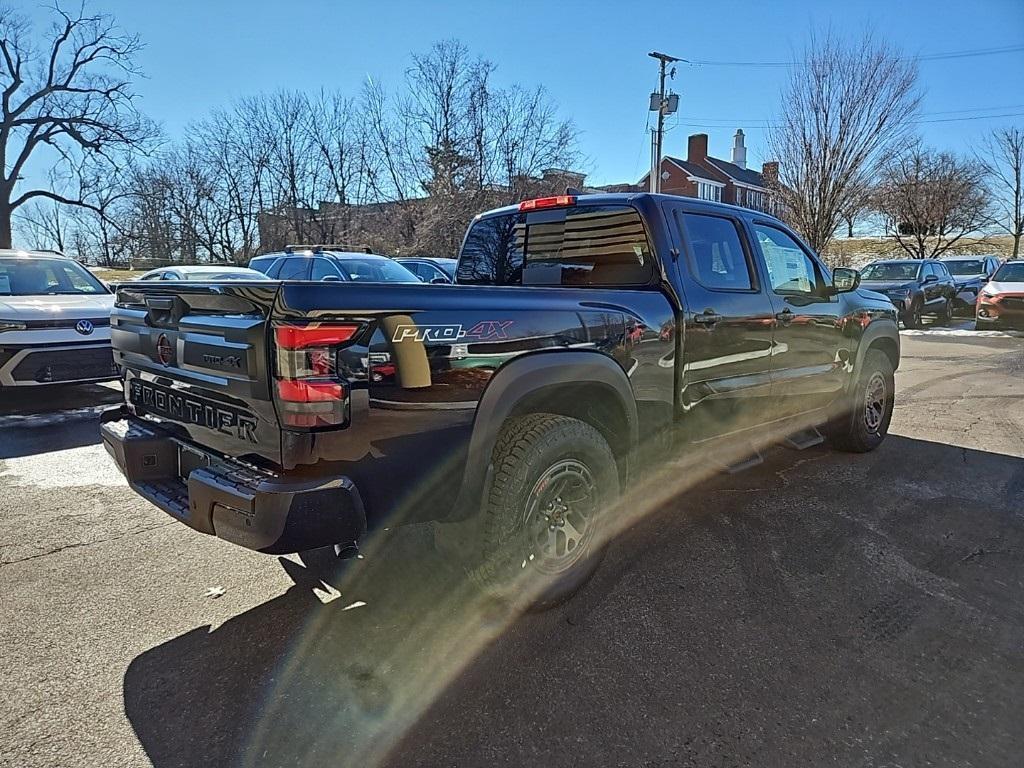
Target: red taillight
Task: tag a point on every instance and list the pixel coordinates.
(299, 391)
(303, 336)
(558, 201)
(311, 392)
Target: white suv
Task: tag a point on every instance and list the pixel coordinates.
(54, 322)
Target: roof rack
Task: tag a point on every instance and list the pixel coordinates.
(320, 247)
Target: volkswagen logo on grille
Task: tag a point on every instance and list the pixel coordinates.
(164, 349)
(84, 327)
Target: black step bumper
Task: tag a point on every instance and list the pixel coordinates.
(276, 514)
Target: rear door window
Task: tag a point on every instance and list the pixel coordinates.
(716, 254)
(421, 269)
(294, 268)
(575, 246)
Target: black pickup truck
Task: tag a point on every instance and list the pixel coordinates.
(288, 416)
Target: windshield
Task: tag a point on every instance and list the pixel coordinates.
(966, 267)
(379, 270)
(1010, 273)
(890, 271)
(21, 276)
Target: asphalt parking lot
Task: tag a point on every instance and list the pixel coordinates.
(818, 609)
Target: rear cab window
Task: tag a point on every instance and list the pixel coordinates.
(580, 246)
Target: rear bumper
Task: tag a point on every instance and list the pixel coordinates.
(276, 514)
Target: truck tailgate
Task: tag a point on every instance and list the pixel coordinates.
(196, 358)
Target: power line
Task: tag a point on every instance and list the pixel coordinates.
(726, 122)
(765, 124)
(965, 54)
(972, 117)
(972, 109)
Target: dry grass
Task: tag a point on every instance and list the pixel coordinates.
(115, 275)
(857, 251)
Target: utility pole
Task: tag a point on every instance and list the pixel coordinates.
(665, 104)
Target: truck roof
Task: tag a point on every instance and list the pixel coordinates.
(628, 198)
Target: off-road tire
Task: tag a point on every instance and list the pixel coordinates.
(528, 448)
(857, 431)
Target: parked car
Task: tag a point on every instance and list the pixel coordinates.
(970, 273)
(430, 269)
(916, 287)
(1001, 301)
(687, 322)
(54, 322)
(327, 265)
(203, 273)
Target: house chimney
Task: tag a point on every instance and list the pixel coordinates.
(739, 151)
(697, 148)
(770, 174)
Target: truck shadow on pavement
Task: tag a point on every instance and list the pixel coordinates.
(821, 607)
(37, 420)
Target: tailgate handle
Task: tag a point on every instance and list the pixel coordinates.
(165, 303)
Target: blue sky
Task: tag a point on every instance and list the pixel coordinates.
(591, 57)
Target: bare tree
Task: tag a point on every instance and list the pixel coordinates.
(930, 201)
(98, 232)
(1002, 156)
(846, 108)
(857, 208)
(44, 224)
(528, 138)
(64, 97)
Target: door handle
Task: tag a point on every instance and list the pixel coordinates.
(785, 316)
(708, 317)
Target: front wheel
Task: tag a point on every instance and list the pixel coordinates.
(865, 425)
(913, 318)
(542, 535)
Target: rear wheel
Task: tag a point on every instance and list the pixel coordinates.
(945, 314)
(866, 424)
(553, 478)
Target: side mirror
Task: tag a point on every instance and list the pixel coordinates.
(845, 279)
(931, 279)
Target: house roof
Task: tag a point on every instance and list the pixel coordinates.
(692, 168)
(734, 172)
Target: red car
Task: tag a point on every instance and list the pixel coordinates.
(1001, 301)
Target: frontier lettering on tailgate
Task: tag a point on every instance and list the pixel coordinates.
(192, 410)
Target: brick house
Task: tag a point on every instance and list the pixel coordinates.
(710, 178)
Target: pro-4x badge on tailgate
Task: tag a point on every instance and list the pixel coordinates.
(482, 331)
